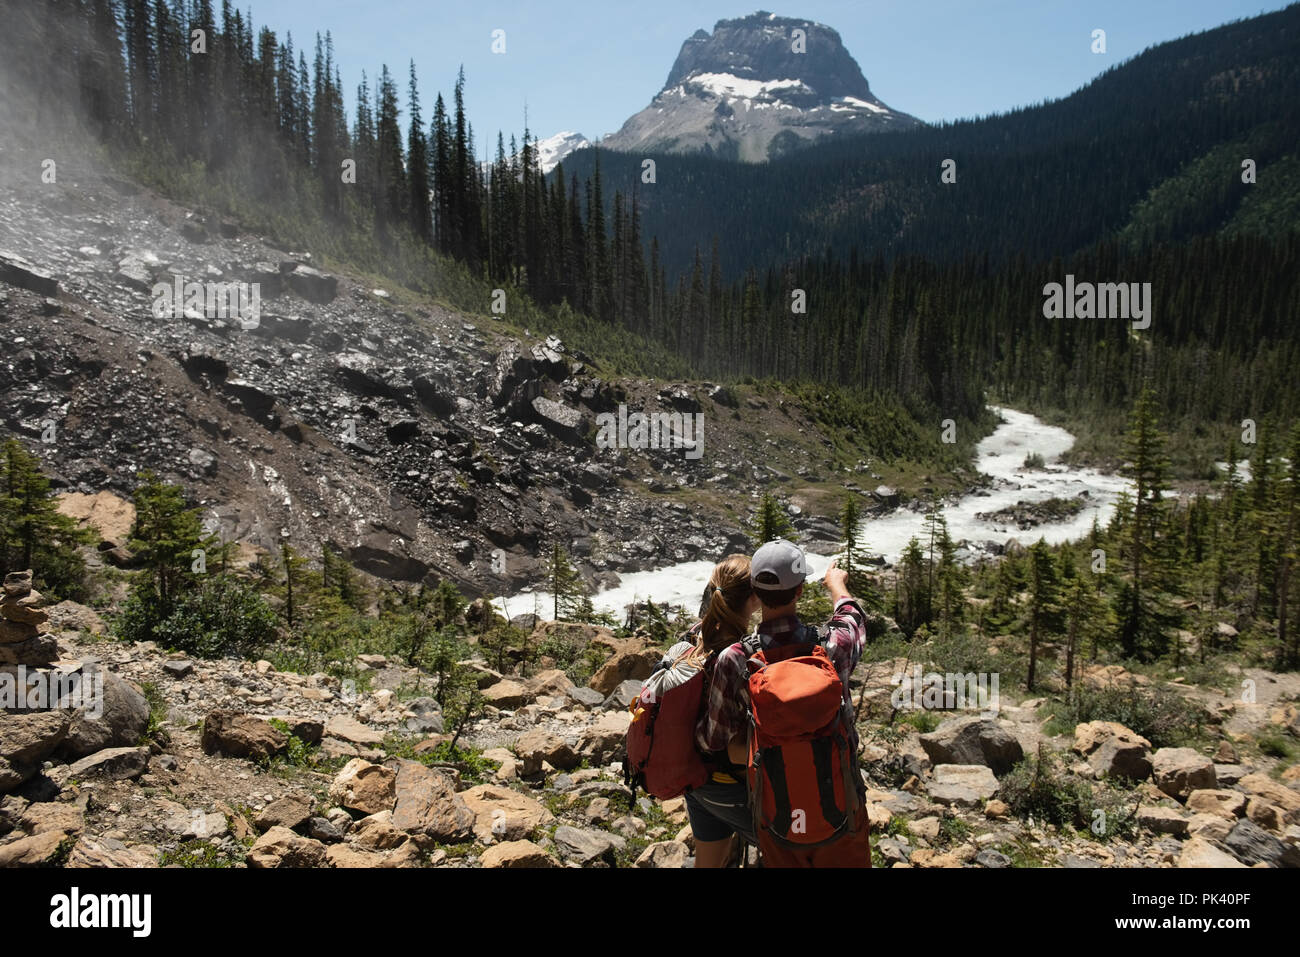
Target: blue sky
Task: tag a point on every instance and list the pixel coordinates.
(588, 65)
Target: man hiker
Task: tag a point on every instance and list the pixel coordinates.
(780, 701)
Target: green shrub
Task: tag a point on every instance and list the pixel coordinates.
(220, 616)
(1038, 788)
(1165, 718)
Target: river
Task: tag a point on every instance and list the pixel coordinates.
(1000, 455)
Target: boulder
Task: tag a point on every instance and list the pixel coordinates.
(507, 694)
(1113, 750)
(239, 735)
(504, 814)
(377, 833)
(534, 747)
(630, 659)
(604, 740)
(291, 812)
(117, 764)
(1251, 844)
(364, 787)
(553, 682)
(353, 731)
(1227, 804)
(106, 852)
(281, 847)
(28, 739)
(621, 698)
(34, 850)
(428, 805)
(17, 271)
(1162, 820)
(973, 740)
(664, 854)
(1180, 771)
(1199, 852)
(313, 285)
(585, 845)
(1274, 792)
(123, 716)
(976, 777)
(516, 854)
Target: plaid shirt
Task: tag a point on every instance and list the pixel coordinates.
(727, 710)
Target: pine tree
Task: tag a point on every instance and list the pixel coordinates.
(33, 532)
(1043, 601)
(568, 592)
(1143, 617)
(417, 157)
(164, 536)
(1288, 524)
(391, 191)
(770, 521)
(860, 583)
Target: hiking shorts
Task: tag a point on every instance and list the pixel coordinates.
(717, 811)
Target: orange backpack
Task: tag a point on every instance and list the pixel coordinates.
(803, 772)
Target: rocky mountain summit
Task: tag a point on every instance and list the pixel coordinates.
(755, 88)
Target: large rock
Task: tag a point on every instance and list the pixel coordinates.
(562, 421)
(1251, 844)
(664, 854)
(1198, 852)
(585, 845)
(364, 787)
(978, 778)
(313, 285)
(291, 812)
(621, 698)
(604, 741)
(973, 740)
(516, 854)
(428, 805)
(116, 764)
(629, 660)
(504, 814)
(1113, 750)
(1226, 804)
(1275, 793)
(1162, 820)
(353, 731)
(534, 747)
(39, 650)
(1180, 771)
(34, 850)
(239, 735)
(17, 271)
(553, 682)
(123, 716)
(507, 694)
(281, 847)
(106, 852)
(28, 739)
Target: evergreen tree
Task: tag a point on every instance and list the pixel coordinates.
(33, 532)
(417, 155)
(770, 521)
(1143, 615)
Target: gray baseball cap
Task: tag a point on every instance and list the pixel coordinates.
(783, 559)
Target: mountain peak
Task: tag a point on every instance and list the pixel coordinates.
(754, 89)
(764, 47)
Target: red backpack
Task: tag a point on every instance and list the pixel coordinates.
(803, 772)
(661, 755)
